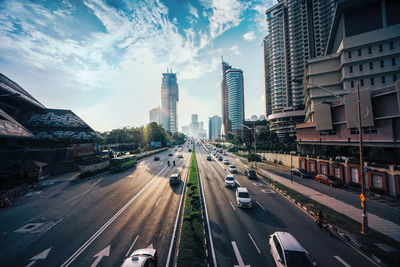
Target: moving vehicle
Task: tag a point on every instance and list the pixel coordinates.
(225, 161)
(208, 157)
(287, 251)
(156, 158)
(170, 154)
(300, 172)
(180, 156)
(224, 153)
(220, 158)
(243, 198)
(175, 178)
(190, 150)
(122, 163)
(145, 257)
(250, 173)
(230, 181)
(329, 180)
(232, 169)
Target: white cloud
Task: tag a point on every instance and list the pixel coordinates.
(193, 11)
(235, 50)
(249, 36)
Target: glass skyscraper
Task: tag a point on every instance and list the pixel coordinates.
(235, 90)
(169, 99)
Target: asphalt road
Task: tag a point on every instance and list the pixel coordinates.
(99, 220)
(249, 230)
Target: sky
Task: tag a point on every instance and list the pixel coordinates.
(104, 59)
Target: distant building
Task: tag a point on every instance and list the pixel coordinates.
(254, 117)
(224, 97)
(234, 82)
(262, 117)
(185, 130)
(169, 99)
(154, 115)
(214, 127)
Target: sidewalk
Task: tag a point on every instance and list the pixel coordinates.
(70, 176)
(383, 226)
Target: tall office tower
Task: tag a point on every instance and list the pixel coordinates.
(214, 127)
(297, 31)
(154, 115)
(169, 99)
(235, 90)
(224, 97)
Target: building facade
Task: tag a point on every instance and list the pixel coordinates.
(224, 97)
(169, 99)
(154, 115)
(214, 127)
(235, 88)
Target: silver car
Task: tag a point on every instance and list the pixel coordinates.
(141, 257)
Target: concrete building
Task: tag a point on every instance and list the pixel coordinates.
(235, 90)
(214, 127)
(154, 115)
(298, 30)
(169, 99)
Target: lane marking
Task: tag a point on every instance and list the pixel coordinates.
(254, 243)
(101, 229)
(268, 191)
(41, 256)
(232, 205)
(237, 254)
(221, 187)
(130, 248)
(75, 197)
(104, 253)
(157, 202)
(260, 205)
(342, 261)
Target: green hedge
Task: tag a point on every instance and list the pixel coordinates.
(192, 247)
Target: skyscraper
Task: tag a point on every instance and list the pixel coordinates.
(235, 90)
(154, 115)
(297, 31)
(224, 97)
(214, 127)
(169, 99)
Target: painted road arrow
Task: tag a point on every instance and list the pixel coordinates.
(104, 253)
(41, 256)
(238, 257)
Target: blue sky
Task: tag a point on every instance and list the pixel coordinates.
(104, 59)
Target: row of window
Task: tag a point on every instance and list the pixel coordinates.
(366, 130)
(371, 65)
(372, 80)
(380, 48)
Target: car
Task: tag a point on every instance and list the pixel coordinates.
(220, 158)
(232, 169)
(287, 251)
(243, 198)
(208, 157)
(225, 161)
(141, 258)
(170, 154)
(180, 156)
(175, 178)
(190, 150)
(250, 173)
(224, 153)
(230, 181)
(300, 172)
(156, 158)
(329, 180)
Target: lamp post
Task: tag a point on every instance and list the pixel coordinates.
(360, 145)
(254, 136)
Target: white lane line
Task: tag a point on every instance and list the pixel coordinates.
(260, 205)
(157, 202)
(75, 197)
(130, 248)
(221, 187)
(237, 254)
(101, 229)
(342, 261)
(254, 243)
(232, 205)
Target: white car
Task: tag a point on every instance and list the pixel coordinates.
(243, 198)
(232, 169)
(230, 181)
(141, 257)
(225, 161)
(287, 251)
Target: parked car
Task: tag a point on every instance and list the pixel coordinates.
(243, 198)
(208, 157)
(156, 158)
(232, 169)
(225, 161)
(230, 181)
(170, 154)
(329, 180)
(175, 178)
(287, 251)
(220, 158)
(141, 257)
(180, 156)
(300, 172)
(250, 173)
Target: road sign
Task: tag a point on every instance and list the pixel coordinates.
(362, 204)
(362, 197)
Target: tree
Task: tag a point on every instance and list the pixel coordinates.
(154, 132)
(229, 137)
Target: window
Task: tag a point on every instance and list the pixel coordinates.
(393, 62)
(327, 132)
(370, 130)
(352, 84)
(354, 175)
(353, 131)
(370, 50)
(302, 164)
(383, 80)
(359, 52)
(362, 83)
(349, 54)
(278, 247)
(372, 81)
(394, 77)
(337, 173)
(380, 48)
(371, 65)
(391, 45)
(377, 181)
(323, 169)
(351, 69)
(312, 169)
(360, 67)
(382, 64)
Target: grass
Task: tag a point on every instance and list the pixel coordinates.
(192, 247)
(351, 227)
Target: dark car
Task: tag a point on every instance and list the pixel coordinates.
(156, 158)
(250, 173)
(190, 150)
(170, 154)
(329, 180)
(300, 172)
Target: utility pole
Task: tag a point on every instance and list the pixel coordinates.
(360, 144)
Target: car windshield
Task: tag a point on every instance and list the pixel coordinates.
(252, 172)
(232, 167)
(229, 178)
(297, 258)
(325, 177)
(244, 195)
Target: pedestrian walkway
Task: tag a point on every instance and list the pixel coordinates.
(70, 176)
(374, 222)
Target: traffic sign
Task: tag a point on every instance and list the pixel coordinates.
(362, 197)
(362, 204)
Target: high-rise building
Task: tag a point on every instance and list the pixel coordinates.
(235, 90)
(224, 97)
(169, 99)
(214, 127)
(154, 115)
(297, 31)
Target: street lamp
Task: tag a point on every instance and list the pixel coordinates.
(360, 144)
(254, 135)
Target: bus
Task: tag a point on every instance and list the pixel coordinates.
(122, 162)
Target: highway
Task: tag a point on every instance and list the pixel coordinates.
(95, 221)
(241, 236)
